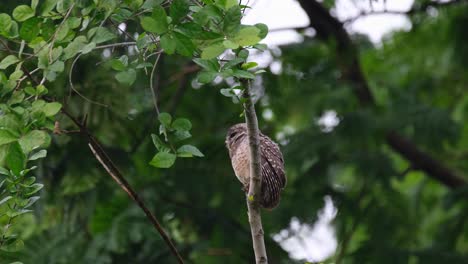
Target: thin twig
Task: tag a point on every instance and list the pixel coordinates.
(72, 87)
(253, 196)
(154, 88)
(58, 29)
(130, 43)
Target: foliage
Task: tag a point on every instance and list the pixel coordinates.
(78, 52)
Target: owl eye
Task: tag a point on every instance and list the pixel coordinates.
(232, 135)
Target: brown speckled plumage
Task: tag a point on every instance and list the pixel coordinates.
(273, 177)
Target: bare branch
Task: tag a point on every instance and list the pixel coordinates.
(253, 196)
(121, 44)
(114, 172)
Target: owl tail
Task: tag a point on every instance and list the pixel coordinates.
(270, 195)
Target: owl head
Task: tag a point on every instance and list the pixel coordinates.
(234, 136)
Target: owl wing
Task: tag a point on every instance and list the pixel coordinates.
(273, 176)
(272, 162)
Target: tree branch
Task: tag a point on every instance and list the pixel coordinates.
(253, 196)
(114, 172)
(414, 10)
(328, 27)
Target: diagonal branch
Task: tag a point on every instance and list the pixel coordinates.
(329, 28)
(114, 172)
(253, 196)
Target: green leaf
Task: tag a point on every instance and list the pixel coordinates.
(213, 51)
(243, 54)
(34, 4)
(249, 65)
(57, 66)
(5, 22)
(39, 155)
(126, 77)
(189, 151)
(6, 136)
(232, 20)
(168, 43)
(51, 109)
(211, 65)
(150, 25)
(159, 144)
(16, 75)
(247, 36)
(196, 31)
(120, 64)
(165, 119)
(22, 12)
(16, 98)
(14, 245)
(6, 199)
(261, 46)
(7, 61)
(228, 44)
(180, 135)
(263, 30)
(34, 189)
(73, 22)
(233, 63)
(228, 92)
(15, 158)
(74, 47)
(4, 172)
(63, 5)
(100, 35)
(157, 22)
(88, 48)
(134, 4)
(149, 4)
(178, 10)
(48, 6)
(18, 212)
(62, 32)
(226, 4)
(207, 76)
(33, 140)
(208, 13)
(184, 45)
(243, 74)
(182, 124)
(31, 201)
(163, 160)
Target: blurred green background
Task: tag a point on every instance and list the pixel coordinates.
(389, 209)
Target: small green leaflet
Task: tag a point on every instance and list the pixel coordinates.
(187, 151)
(163, 160)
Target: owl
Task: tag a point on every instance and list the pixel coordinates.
(272, 164)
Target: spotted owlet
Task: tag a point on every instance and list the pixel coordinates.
(273, 177)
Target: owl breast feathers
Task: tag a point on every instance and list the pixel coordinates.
(273, 177)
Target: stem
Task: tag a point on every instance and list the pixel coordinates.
(253, 197)
(154, 88)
